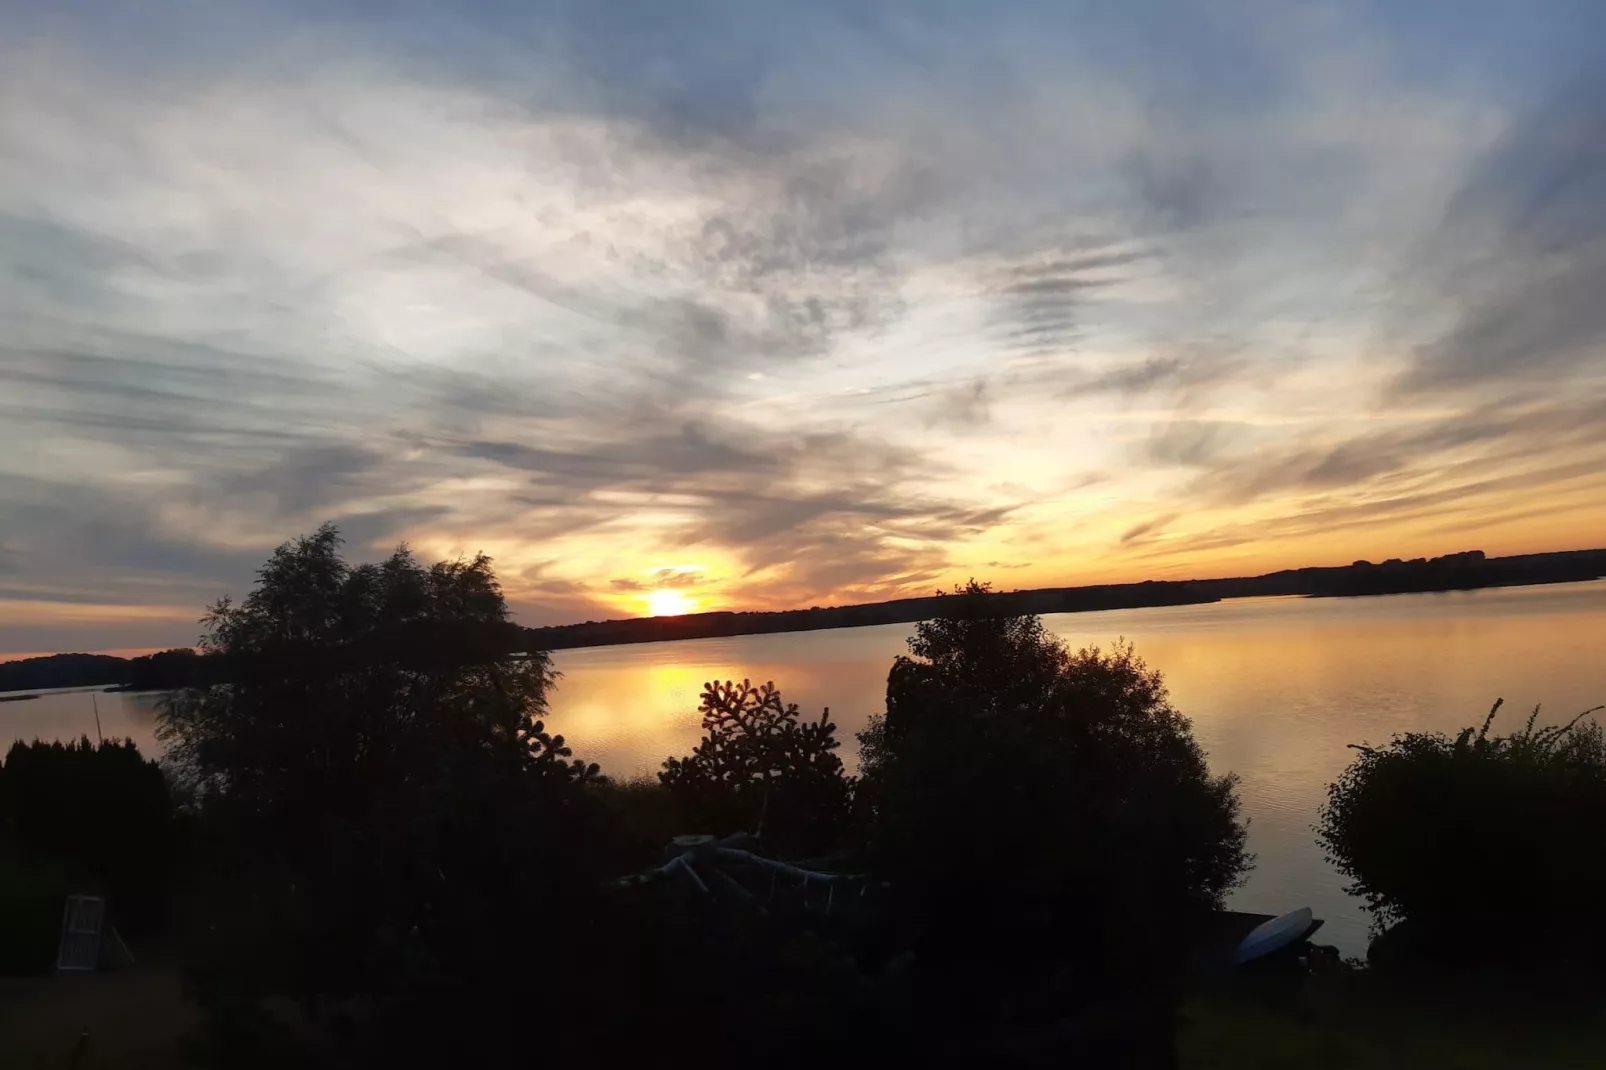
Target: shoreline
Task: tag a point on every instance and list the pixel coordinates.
(1454, 572)
(1467, 571)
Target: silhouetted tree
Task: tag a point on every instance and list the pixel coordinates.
(1048, 824)
(342, 677)
(762, 769)
(1488, 845)
(394, 826)
(169, 670)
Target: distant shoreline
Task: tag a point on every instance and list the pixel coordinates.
(1471, 570)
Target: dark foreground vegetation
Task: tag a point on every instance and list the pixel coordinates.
(369, 850)
(388, 860)
(80, 817)
(1479, 848)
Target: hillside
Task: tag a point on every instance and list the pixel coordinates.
(62, 670)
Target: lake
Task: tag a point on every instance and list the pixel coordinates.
(1277, 689)
(69, 712)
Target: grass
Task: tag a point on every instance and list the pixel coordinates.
(133, 1019)
(1362, 1019)
(140, 1019)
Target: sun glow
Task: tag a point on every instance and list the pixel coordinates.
(667, 602)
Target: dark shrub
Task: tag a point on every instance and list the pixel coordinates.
(32, 898)
(100, 814)
(762, 769)
(1488, 845)
(1046, 819)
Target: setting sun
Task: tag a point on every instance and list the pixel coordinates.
(666, 602)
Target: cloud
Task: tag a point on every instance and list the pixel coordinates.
(1037, 302)
(308, 478)
(964, 404)
(1148, 527)
(1429, 449)
(83, 544)
(1521, 254)
(1191, 443)
(1181, 190)
(670, 578)
(828, 297)
(1185, 374)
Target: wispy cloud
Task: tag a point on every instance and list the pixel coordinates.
(1520, 257)
(833, 302)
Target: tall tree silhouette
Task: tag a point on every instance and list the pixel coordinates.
(378, 784)
(1047, 822)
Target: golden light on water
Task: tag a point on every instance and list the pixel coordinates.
(1277, 689)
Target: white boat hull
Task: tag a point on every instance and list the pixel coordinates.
(1274, 935)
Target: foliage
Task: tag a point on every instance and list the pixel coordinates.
(378, 789)
(31, 899)
(1047, 821)
(168, 670)
(344, 680)
(640, 816)
(101, 814)
(405, 867)
(1482, 842)
(761, 768)
(744, 985)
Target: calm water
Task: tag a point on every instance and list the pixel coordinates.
(1277, 689)
(69, 712)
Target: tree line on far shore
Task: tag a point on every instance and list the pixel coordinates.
(368, 848)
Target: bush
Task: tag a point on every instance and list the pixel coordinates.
(1487, 845)
(762, 769)
(32, 899)
(1046, 819)
(640, 816)
(101, 814)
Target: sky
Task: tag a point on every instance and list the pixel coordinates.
(759, 305)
